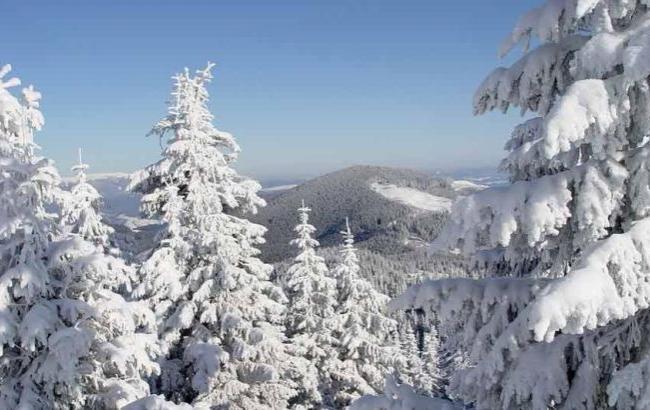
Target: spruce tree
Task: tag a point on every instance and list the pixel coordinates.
(561, 318)
(220, 317)
(80, 210)
(312, 300)
(368, 349)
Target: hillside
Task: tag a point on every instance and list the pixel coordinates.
(391, 210)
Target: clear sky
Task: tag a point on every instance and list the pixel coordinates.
(306, 86)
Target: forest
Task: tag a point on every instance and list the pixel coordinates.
(529, 295)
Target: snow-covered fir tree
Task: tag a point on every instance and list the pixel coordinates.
(312, 300)
(28, 185)
(220, 317)
(67, 341)
(420, 349)
(368, 346)
(107, 344)
(566, 324)
(80, 209)
(409, 344)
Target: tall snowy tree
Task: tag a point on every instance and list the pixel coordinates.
(368, 349)
(312, 300)
(565, 325)
(67, 340)
(80, 210)
(220, 317)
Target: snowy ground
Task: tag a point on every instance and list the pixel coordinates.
(464, 185)
(413, 197)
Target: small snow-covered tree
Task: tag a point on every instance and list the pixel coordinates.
(312, 300)
(348, 264)
(565, 325)
(220, 317)
(368, 349)
(409, 344)
(420, 349)
(310, 290)
(67, 341)
(80, 209)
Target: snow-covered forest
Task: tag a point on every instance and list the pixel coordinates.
(368, 288)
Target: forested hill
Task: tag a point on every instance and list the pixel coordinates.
(391, 210)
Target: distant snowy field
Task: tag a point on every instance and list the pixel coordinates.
(463, 185)
(277, 188)
(413, 197)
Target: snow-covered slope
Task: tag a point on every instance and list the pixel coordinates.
(278, 188)
(463, 185)
(413, 197)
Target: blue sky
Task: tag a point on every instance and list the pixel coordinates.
(306, 86)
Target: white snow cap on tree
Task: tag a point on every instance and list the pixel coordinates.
(220, 317)
(566, 326)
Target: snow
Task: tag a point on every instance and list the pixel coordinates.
(413, 197)
(586, 104)
(154, 402)
(401, 397)
(609, 283)
(279, 188)
(463, 185)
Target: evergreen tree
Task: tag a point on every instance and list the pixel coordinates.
(429, 381)
(368, 350)
(565, 324)
(80, 210)
(67, 341)
(412, 355)
(420, 369)
(312, 300)
(220, 318)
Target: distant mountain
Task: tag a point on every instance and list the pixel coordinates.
(391, 210)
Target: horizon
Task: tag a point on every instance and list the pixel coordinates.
(469, 173)
(300, 98)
